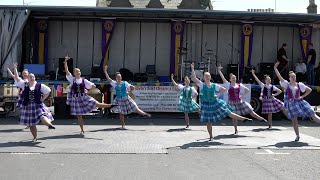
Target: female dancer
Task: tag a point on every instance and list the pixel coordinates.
(187, 104)
(293, 100)
(126, 104)
(234, 90)
(33, 109)
(80, 103)
(213, 109)
(16, 77)
(270, 104)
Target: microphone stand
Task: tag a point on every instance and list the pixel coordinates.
(238, 52)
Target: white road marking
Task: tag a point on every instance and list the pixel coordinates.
(24, 153)
(268, 151)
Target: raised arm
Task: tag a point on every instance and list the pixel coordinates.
(66, 65)
(106, 74)
(15, 70)
(195, 93)
(173, 82)
(9, 71)
(256, 78)
(193, 75)
(221, 74)
(277, 71)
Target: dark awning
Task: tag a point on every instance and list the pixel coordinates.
(167, 14)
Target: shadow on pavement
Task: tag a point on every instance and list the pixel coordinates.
(265, 129)
(114, 129)
(290, 144)
(229, 136)
(178, 130)
(21, 144)
(204, 144)
(70, 136)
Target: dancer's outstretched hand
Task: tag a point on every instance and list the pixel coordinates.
(192, 66)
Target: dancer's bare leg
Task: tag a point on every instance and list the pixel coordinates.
(122, 120)
(239, 118)
(186, 117)
(80, 122)
(315, 118)
(33, 130)
(255, 115)
(296, 128)
(235, 125)
(139, 111)
(103, 105)
(270, 120)
(47, 122)
(209, 128)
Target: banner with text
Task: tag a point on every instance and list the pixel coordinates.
(156, 98)
(165, 98)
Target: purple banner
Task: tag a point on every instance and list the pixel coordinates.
(107, 32)
(177, 31)
(305, 33)
(246, 46)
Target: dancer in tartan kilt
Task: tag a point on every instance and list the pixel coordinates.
(126, 104)
(235, 100)
(187, 104)
(80, 103)
(213, 109)
(33, 109)
(294, 102)
(270, 104)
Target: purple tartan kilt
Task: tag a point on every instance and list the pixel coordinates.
(125, 105)
(32, 113)
(241, 107)
(273, 105)
(81, 105)
(299, 108)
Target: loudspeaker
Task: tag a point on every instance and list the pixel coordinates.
(126, 74)
(266, 68)
(61, 71)
(232, 68)
(97, 72)
(61, 109)
(140, 77)
(247, 77)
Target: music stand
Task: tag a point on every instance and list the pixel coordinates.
(182, 52)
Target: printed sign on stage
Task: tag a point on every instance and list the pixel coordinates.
(156, 98)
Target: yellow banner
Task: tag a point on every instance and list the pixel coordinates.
(41, 48)
(178, 45)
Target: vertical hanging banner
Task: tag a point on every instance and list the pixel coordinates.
(177, 31)
(107, 32)
(41, 43)
(305, 38)
(246, 46)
